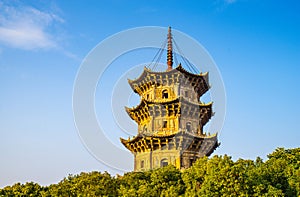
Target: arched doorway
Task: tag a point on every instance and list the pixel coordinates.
(165, 94)
(188, 126)
(163, 163)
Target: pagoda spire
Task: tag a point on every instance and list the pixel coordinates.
(170, 51)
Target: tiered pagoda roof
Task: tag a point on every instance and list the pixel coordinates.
(203, 145)
(148, 108)
(177, 75)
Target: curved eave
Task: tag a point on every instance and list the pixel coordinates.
(126, 143)
(145, 102)
(134, 139)
(196, 104)
(180, 99)
(131, 111)
(140, 136)
(205, 137)
(179, 68)
(210, 145)
(127, 109)
(140, 78)
(142, 103)
(201, 77)
(184, 71)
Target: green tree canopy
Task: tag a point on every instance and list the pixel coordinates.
(216, 176)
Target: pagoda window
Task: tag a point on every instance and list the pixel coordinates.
(142, 164)
(191, 162)
(165, 94)
(165, 124)
(188, 126)
(163, 163)
(186, 93)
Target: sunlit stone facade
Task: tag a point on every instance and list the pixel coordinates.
(170, 119)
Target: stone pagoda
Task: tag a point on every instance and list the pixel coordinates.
(170, 117)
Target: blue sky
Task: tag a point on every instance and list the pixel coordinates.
(256, 45)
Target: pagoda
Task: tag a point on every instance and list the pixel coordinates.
(170, 117)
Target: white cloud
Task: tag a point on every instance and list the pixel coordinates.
(27, 28)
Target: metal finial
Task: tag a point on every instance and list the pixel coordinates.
(170, 50)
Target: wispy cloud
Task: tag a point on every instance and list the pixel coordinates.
(221, 5)
(27, 28)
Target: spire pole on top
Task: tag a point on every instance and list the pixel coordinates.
(170, 51)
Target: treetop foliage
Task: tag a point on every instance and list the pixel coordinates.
(216, 176)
